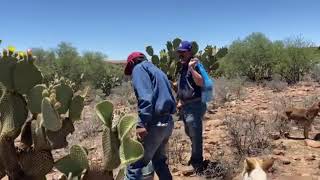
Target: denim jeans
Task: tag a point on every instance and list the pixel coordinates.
(192, 116)
(154, 150)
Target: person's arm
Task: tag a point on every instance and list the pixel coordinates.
(196, 75)
(144, 92)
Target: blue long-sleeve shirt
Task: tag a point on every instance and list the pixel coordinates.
(153, 91)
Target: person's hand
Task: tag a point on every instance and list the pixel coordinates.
(193, 62)
(141, 132)
(179, 105)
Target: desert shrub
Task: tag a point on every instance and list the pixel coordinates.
(276, 84)
(249, 134)
(315, 73)
(228, 89)
(296, 59)
(176, 149)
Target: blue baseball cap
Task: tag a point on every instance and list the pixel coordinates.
(185, 46)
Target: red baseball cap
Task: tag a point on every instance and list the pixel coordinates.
(130, 62)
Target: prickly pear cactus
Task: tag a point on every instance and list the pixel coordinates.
(75, 163)
(168, 60)
(42, 115)
(119, 147)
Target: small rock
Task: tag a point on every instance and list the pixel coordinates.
(286, 162)
(213, 142)
(297, 159)
(278, 152)
(311, 158)
(275, 136)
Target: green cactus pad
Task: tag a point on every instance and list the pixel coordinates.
(36, 163)
(57, 139)
(35, 98)
(64, 96)
(130, 151)
(38, 135)
(195, 47)
(110, 146)
(176, 42)
(76, 107)
(26, 134)
(13, 114)
(169, 46)
(8, 155)
(2, 171)
(125, 125)
(25, 76)
(155, 59)
(50, 118)
(74, 163)
(149, 50)
(6, 72)
(104, 112)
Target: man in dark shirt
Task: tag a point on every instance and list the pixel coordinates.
(191, 107)
(156, 104)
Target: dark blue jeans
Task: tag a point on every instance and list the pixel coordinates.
(154, 150)
(192, 116)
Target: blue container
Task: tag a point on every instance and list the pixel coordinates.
(207, 89)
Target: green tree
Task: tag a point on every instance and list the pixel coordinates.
(250, 57)
(297, 59)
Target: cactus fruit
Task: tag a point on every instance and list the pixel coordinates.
(50, 118)
(75, 162)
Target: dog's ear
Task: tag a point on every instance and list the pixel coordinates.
(267, 164)
(250, 164)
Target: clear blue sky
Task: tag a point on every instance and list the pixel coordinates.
(118, 27)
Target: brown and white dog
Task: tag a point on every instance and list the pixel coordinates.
(256, 169)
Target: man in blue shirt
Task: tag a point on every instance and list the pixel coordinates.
(191, 107)
(156, 104)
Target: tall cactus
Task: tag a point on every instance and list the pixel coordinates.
(53, 110)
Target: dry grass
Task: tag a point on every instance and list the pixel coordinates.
(176, 149)
(226, 89)
(276, 85)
